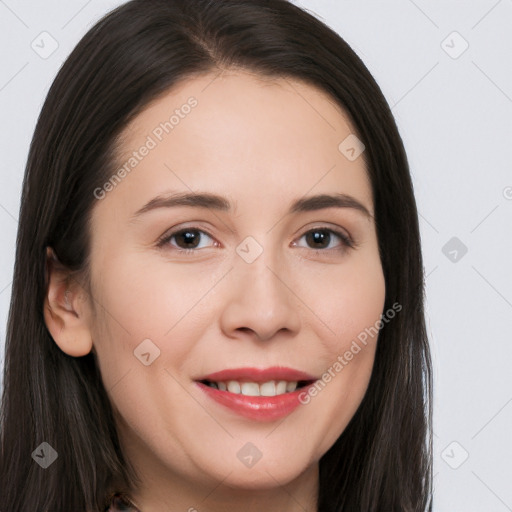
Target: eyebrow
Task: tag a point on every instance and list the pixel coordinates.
(220, 203)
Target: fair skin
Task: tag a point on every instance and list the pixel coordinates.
(261, 144)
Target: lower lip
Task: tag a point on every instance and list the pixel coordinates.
(258, 408)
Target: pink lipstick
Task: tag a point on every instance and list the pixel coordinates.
(258, 394)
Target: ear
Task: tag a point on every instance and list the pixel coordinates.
(66, 309)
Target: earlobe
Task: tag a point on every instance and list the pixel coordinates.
(65, 311)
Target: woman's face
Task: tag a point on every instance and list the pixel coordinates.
(266, 294)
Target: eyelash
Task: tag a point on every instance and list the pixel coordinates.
(347, 242)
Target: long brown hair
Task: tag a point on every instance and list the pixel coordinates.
(383, 459)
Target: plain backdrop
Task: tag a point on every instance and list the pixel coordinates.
(445, 68)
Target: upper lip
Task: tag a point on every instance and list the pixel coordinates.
(258, 375)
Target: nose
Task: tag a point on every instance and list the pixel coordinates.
(260, 301)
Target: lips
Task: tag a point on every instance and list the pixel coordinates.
(258, 394)
(259, 375)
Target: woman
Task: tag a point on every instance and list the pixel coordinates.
(280, 364)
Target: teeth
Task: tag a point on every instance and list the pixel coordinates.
(291, 386)
(281, 387)
(234, 387)
(270, 388)
(250, 389)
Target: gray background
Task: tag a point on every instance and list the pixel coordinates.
(453, 106)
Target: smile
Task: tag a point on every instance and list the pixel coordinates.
(260, 395)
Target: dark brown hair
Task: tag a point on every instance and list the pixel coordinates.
(382, 462)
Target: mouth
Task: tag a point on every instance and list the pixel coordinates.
(258, 394)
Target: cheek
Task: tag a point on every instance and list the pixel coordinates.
(351, 305)
(349, 300)
(137, 301)
(143, 301)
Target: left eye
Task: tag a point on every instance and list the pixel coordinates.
(189, 239)
(318, 237)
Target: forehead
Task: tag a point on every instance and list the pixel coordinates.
(236, 133)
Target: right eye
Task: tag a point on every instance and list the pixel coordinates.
(187, 239)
